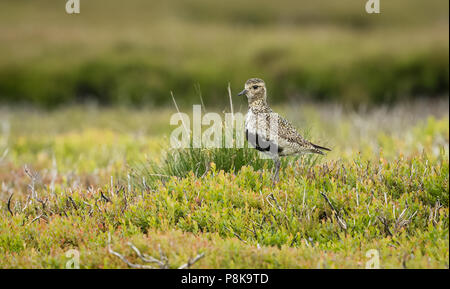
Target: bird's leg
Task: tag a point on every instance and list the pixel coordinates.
(276, 176)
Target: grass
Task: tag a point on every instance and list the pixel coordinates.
(182, 162)
(304, 50)
(384, 187)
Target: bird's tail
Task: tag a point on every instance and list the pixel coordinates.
(321, 148)
(318, 149)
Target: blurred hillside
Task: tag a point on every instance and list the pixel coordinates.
(136, 52)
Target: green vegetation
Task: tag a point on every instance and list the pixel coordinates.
(137, 52)
(198, 161)
(385, 186)
(99, 176)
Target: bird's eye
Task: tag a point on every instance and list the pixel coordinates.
(255, 86)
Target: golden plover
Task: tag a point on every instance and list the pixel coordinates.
(269, 133)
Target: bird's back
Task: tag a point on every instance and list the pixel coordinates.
(263, 123)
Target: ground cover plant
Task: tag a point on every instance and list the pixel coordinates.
(81, 179)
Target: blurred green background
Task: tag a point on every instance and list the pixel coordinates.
(135, 52)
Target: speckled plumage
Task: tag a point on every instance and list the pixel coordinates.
(265, 126)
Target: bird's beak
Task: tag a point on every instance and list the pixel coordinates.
(243, 92)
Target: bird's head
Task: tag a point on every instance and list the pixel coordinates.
(255, 89)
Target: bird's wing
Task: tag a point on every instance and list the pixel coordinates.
(288, 132)
(284, 134)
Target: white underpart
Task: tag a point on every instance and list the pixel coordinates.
(255, 125)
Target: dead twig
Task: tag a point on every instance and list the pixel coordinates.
(191, 262)
(9, 205)
(253, 231)
(163, 256)
(384, 221)
(163, 262)
(402, 221)
(341, 220)
(272, 197)
(132, 265)
(90, 208)
(33, 182)
(41, 216)
(147, 258)
(231, 101)
(104, 197)
(293, 240)
(27, 202)
(235, 234)
(73, 203)
(208, 167)
(435, 213)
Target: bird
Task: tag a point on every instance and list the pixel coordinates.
(270, 133)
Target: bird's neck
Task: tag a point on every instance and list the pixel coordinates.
(257, 103)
